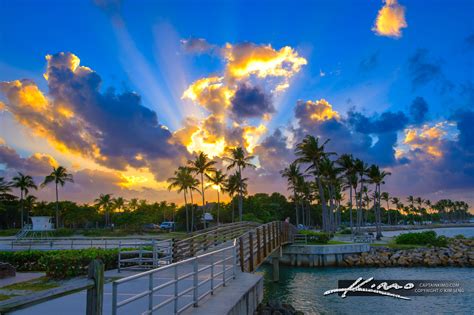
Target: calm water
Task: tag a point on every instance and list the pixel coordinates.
(304, 288)
(449, 232)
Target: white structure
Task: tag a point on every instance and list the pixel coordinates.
(208, 217)
(40, 224)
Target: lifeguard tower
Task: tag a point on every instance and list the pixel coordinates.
(40, 227)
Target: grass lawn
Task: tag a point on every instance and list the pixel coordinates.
(331, 242)
(9, 232)
(4, 297)
(33, 285)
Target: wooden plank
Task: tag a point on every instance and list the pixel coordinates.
(241, 253)
(259, 252)
(251, 262)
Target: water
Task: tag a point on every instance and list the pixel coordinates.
(304, 288)
(449, 232)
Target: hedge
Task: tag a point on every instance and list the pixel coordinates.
(60, 264)
(317, 237)
(422, 238)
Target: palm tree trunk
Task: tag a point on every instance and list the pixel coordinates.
(187, 212)
(218, 206)
(192, 210)
(203, 199)
(323, 203)
(57, 207)
(296, 207)
(233, 210)
(350, 208)
(240, 194)
(21, 208)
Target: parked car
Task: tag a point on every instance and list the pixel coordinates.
(168, 226)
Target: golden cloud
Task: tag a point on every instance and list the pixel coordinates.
(211, 93)
(390, 20)
(262, 61)
(319, 110)
(427, 139)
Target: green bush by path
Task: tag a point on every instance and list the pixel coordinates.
(316, 237)
(422, 238)
(60, 264)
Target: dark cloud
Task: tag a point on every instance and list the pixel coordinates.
(418, 110)
(251, 102)
(197, 46)
(115, 129)
(386, 122)
(370, 63)
(423, 71)
(465, 125)
(35, 165)
(273, 153)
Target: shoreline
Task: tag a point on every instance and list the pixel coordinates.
(417, 227)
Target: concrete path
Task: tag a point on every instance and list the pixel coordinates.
(21, 277)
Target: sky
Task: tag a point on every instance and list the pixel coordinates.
(123, 92)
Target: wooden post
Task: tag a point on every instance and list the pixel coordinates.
(95, 295)
(241, 253)
(265, 244)
(259, 256)
(274, 236)
(276, 269)
(251, 264)
(174, 248)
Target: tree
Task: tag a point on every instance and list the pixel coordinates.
(377, 177)
(201, 165)
(293, 174)
(360, 168)
(309, 151)
(24, 183)
(59, 176)
(237, 159)
(346, 164)
(119, 203)
(385, 196)
(105, 203)
(5, 187)
(182, 181)
(232, 187)
(397, 204)
(217, 179)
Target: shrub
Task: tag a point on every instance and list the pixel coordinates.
(460, 237)
(317, 237)
(63, 232)
(60, 264)
(346, 231)
(422, 238)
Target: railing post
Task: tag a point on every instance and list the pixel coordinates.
(274, 235)
(95, 295)
(223, 269)
(195, 282)
(212, 273)
(251, 251)
(174, 255)
(114, 298)
(234, 260)
(176, 289)
(241, 254)
(150, 292)
(265, 244)
(259, 257)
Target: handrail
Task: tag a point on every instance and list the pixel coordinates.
(215, 279)
(94, 284)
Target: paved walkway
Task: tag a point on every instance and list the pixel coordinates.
(21, 277)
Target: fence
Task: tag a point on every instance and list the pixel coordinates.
(94, 284)
(184, 283)
(139, 255)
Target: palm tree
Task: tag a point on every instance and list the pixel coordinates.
(376, 177)
(385, 196)
(182, 180)
(232, 187)
(346, 163)
(5, 186)
(309, 151)
(60, 176)
(396, 203)
(217, 179)
(119, 203)
(201, 165)
(293, 175)
(237, 159)
(24, 183)
(105, 203)
(361, 169)
(30, 202)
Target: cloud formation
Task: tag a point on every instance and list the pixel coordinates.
(418, 110)
(251, 102)
(422, 71)
(115, 130)
(390, 20)
(197, 46)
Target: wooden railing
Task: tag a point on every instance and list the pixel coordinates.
(202, 242)
(94, 284)
(259, 243)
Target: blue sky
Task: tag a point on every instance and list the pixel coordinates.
(136, 46)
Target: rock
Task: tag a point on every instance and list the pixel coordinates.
(6, 270)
